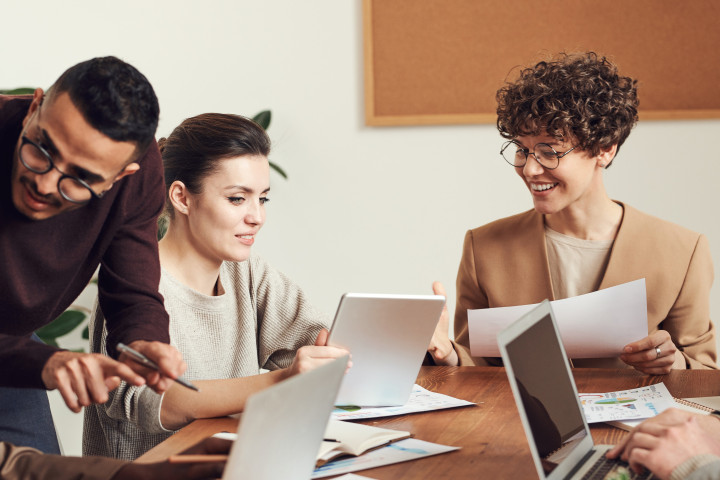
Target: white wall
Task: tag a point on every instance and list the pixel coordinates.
(365, 209)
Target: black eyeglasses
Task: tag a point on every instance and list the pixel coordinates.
(517, 155)
(36, 159)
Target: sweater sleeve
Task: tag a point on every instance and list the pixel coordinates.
(138, 405)
(699, 467)
(25, 463)
(130, 270)
(27, 357)
(688, 322)
(286, 319)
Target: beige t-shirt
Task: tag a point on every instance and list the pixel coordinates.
(576, 266)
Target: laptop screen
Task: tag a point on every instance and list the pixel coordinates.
(547, 392)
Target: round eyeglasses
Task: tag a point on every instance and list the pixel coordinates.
(517, 155)
(36, 159)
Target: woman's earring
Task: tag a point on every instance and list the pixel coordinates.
(602, 164)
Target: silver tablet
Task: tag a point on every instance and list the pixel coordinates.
(387, 336)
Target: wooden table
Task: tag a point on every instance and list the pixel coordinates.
(490, 434)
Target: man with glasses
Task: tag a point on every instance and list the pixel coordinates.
(83, 187)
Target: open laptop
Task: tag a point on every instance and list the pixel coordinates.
(546, 397)
(282, 427)
(387, 336)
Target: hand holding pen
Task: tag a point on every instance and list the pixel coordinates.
(161, 380)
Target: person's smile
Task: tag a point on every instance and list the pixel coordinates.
(542, 187)
(33, 200)
(246, 239)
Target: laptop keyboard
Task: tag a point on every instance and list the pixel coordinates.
(606, 469)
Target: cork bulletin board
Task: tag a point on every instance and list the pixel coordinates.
(441, 61)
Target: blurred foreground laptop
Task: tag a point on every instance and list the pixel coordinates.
(546, 397)
(282, 427)
(387, 336)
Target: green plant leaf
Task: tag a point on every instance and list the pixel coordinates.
(86, 333)
(263, 119)
(62, 325)
(162, 224)
(279, 170)
(18, 91)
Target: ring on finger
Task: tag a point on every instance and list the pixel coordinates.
(657, 351)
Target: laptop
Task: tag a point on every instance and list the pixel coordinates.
(387, 336)
(539, 374)
(282, 427)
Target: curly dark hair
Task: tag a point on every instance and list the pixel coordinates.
(578, 97)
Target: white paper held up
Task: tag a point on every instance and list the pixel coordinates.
(594, 325)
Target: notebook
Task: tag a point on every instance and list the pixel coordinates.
(693, 405)
(546, 397)
(387, 336)
(282, 427)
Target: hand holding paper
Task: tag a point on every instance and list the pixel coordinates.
(655, 354)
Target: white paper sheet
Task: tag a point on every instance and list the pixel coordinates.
(594, 325)
(402, 451)
(421, 400)
(641, 402)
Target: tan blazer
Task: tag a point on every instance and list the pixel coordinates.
(505, 263)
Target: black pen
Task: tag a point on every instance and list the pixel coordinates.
(143, 360)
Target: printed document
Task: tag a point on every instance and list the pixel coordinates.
(643, 402)
(421, 400)
(402, 451)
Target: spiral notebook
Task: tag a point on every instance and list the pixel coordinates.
(687, 404)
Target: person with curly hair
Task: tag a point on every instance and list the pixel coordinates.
(564, 122)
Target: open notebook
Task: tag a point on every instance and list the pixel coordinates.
(547, 400)
(282, 427)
